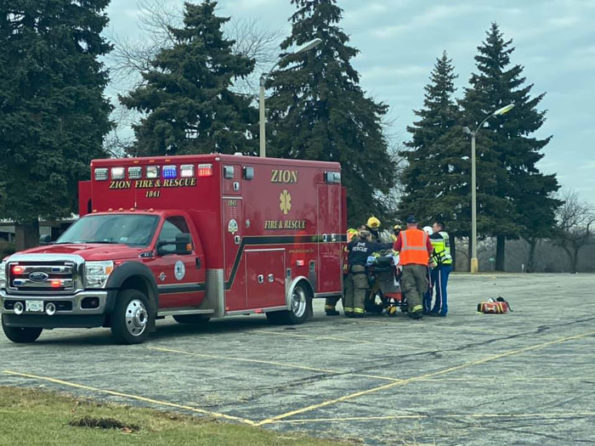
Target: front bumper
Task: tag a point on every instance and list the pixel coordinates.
(67, 305)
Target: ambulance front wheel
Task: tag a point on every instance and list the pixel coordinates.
(21, 335)
(301, 308)
(131, 320)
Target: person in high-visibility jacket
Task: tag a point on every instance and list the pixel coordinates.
(414, 248)
(330, 304)
(442, 268)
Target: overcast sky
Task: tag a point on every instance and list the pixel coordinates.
(399, 41)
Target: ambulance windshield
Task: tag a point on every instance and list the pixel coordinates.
(127, 229)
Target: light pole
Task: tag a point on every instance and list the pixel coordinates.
(263, 77)
(474, 267)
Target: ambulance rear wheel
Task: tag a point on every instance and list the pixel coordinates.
(194, 319)
(131, 320)
(21, 335)
(301, 308)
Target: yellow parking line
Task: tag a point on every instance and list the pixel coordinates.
(553, 415)
(129, 396)
(314, 337)
(275, 363)
(507, 378)
(421, 378)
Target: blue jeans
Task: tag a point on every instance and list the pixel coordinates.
(427, 301)
(439, 283)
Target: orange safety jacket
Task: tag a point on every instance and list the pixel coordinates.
(414, 247)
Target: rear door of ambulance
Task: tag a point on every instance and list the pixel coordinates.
(330, 216)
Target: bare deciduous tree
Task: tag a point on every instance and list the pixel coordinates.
(157, 18)
(130, 58)
(574, 226)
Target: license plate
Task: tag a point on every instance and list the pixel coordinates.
(34, 305)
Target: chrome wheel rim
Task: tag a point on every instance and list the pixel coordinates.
(137, 317)
(298, 302)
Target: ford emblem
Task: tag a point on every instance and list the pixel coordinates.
(38, 277)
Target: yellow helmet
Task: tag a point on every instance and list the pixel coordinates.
(351, 233)
(373, 223)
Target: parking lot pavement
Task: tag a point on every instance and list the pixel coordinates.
(527, 377)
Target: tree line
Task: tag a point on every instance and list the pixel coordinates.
(54, 117)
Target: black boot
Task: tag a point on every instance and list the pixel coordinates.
(332, 312)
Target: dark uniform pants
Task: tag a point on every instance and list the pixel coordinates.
(414, 284)
(356, 288)
(330, 303)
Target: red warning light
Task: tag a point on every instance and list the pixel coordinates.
(56, 283)
(205, 170)
(17, 270)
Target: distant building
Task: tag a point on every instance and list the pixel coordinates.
(53, 228)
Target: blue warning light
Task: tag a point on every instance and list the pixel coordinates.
(169, 172)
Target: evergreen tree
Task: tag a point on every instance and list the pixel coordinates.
(318, 110)
(510, 185)
(53, 115)
(432, 177)
(187, 96)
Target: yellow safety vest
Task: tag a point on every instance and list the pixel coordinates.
(441, 243)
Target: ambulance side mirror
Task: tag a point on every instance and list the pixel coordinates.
(183, 244)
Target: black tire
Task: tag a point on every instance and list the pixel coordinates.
(194, 319)
(21, 335)
(301, 311)
(132, 318)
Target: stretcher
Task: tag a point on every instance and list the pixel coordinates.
(385, 291)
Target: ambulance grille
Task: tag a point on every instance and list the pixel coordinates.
(46, 277)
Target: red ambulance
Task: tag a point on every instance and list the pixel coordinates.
(194, 237)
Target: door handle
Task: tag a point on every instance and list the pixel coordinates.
(271, 278)
(237, 239)
(324, 238)
(198, 263)
(260, 278)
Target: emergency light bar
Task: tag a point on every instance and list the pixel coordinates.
(167, 172)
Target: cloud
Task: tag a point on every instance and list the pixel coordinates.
(249, 5)
(382, 71)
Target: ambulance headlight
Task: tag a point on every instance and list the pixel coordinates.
(97, 273)
(2, 275)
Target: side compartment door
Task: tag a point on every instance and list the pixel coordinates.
(180, 277)
(329, 271)
(233, 258)
(265, 277)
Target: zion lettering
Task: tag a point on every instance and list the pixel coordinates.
(284, 176)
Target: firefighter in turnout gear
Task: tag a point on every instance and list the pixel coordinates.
(442, 260)
(330, 303)
(373, 226)
(414, 248)
(356, 285)
(396, 231)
